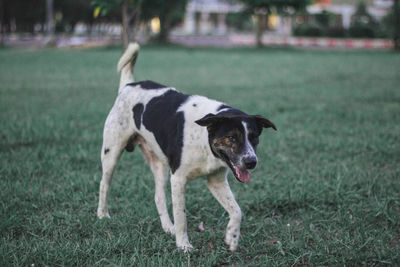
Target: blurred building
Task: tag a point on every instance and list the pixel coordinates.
(209, 17)
(345, 9)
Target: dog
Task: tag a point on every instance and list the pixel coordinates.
(190, 135)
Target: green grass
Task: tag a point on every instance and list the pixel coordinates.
(327, 185)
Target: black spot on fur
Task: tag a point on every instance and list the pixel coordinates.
(161, 118)
(137, 114)
(148, 85)
(130, 146)
(194, 105)
(106, 151)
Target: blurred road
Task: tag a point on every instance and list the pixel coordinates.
(232, 40)
(249, 40)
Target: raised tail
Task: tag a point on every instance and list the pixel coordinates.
(126, 64)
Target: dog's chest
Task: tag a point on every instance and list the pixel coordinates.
(168, 124)
(197, 158)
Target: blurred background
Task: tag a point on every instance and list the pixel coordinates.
(326, 191)
(324, 23)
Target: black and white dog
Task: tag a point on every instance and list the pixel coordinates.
(190, 135)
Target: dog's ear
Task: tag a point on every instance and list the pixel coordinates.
(208, 119)
(264, 122)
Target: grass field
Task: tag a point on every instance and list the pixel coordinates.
(326, 190)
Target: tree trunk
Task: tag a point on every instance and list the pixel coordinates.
(164, 29)
(259, 30)
(396, 35)
(260, 27)
(50, 23)
(165, 21)
(49, 18)
(125, 23)
(137, 15)
(2, 28)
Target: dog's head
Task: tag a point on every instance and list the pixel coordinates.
(233, 137)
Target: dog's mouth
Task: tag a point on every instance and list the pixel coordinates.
(241, 174)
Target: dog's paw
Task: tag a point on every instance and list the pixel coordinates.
(169, 229)
(232, 244)
(103, 214)
(232, 240)
(184, 245)
(185, 248)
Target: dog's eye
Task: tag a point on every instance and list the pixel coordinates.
(232, 139)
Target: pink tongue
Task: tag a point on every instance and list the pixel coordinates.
(242, 175)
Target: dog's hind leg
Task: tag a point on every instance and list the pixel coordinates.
(160, 172)
(116, 138)
(109, 159)
(219, 187)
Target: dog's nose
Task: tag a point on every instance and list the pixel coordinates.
(250, 162)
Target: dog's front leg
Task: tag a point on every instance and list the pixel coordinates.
(219, 187)
(178, 185)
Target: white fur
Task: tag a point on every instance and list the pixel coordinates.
(197, 158)
(249, 150)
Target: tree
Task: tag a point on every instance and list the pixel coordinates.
(129, 9)
(363, 24)
(262, 8)
(70, 12)
(2, 28)
(50, 23)
(169, 12)
(22, 16)
(396, 34)
(391, 24)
